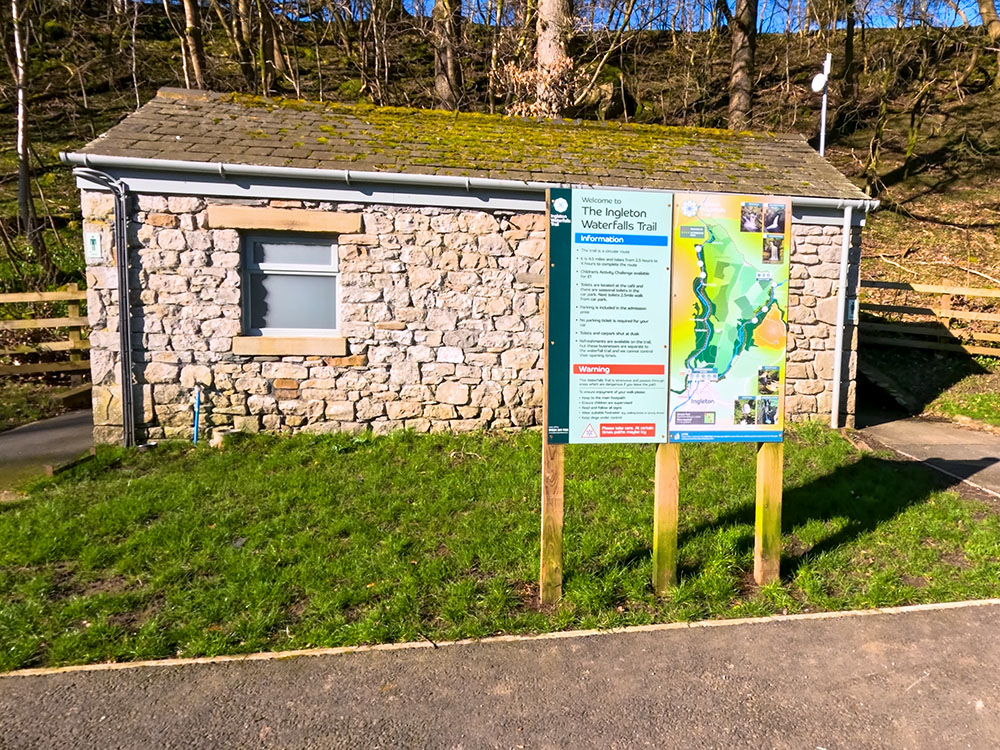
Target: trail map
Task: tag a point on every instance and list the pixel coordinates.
(729, 317)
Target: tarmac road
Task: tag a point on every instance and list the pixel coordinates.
(921, 678)
(24, 451)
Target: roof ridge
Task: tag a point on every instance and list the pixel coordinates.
(176, 92)
(193, 125)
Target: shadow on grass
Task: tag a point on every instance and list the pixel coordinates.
(867, 494)
(858, 498)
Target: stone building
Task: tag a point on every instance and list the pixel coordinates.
(324, 267)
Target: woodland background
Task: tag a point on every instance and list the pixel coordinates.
(913, 120)
(913, 90)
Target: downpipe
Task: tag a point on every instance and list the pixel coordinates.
(120, 233)
(838, 361)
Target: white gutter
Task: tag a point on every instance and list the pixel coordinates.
(349, 177)
(838, 361)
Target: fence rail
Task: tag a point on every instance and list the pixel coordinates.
(937, 325)
(75, 342)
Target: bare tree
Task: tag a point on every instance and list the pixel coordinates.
(743, 28)
(26, 205)
(195, 46)
(554, 67)
(446, 19)
(988, 11)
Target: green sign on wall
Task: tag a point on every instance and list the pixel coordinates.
(609, 315)
(667, 316)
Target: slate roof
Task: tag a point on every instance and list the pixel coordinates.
(183, 125)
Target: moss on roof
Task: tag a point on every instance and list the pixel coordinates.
(238, 128)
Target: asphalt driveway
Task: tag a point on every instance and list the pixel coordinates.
(918, 678)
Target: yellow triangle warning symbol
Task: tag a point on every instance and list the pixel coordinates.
(589, 432)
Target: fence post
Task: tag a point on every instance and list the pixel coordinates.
(945, 310)
(73, 311)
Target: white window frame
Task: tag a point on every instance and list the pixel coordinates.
(252, 268)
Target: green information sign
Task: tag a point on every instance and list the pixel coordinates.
(668, 316)
(609, 315)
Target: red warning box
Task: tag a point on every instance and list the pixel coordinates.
(628, 430)
(582, 369)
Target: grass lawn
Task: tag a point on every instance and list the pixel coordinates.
(277, 543)
(982, 407)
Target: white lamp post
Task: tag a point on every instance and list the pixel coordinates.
(819, 83)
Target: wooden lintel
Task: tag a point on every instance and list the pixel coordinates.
(283, 219)
(276, 346)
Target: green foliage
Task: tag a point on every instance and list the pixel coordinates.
(276, 543)
(351, 90)
(22, 402)
(983, 407)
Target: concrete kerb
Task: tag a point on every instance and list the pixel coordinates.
(560, 635)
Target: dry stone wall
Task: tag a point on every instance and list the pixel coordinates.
(441, 309)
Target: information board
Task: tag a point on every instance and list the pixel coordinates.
(609, 316)
(730, 317)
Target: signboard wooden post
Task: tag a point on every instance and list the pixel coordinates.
(666, 320)
(550, 566)
(550, 588)
(666, 494)
(767, 523)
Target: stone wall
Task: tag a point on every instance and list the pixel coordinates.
(441, 309)
(812, 304)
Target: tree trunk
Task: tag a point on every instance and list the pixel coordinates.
(244, 33)
(554, 66)
(850, 73)
(192, 34)
(988, 11)
(744, 32)
(25, 203)
(491, 86)
(446, 19)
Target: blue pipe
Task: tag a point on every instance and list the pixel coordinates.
(197, 412)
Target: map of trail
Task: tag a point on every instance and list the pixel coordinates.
(729, 311)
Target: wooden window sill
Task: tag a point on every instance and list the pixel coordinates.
(326, 346)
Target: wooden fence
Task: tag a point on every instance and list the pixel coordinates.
(945, 323)
(75, 343)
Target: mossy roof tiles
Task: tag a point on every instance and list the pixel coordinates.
(181, 125)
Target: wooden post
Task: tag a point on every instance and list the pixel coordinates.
(948, 320)
(73, 311)
(550, 568)
(665, 494)
(552, 524)
(767, 532)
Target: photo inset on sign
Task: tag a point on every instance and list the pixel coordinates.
(767, 380)
(744, 410)
(774, 248)
(751, 217)
(767, 410)
(774, 218)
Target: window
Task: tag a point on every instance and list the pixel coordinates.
(290, 286)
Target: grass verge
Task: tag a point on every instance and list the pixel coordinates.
(277, 543)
